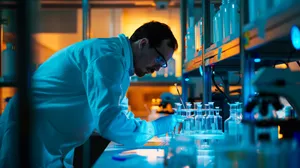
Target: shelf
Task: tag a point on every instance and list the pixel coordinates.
(223, 52)
(6, 83)
(217, 55)
(159, 81)
(273, 31)
(193, 64)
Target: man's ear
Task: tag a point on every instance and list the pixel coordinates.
(143, 42)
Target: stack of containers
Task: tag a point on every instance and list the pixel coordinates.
(226, 22)
(190, 40)
(259, 10)
(198, 34)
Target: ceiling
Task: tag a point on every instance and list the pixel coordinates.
(103, 3)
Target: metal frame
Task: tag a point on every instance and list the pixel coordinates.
(25, 53)
(183, 19)
(207, 71)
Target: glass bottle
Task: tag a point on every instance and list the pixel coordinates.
(178, 125)
(187, 119)
(198, 118)
(210, 119)
(230, 125)
(218, 121)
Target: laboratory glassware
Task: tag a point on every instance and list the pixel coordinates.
(182, 152)
(230, 125)
(218, 121)
(210, 119)
(198, 118)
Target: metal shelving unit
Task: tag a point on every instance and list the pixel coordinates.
(272, 31)
(275, 44)
(267, 39)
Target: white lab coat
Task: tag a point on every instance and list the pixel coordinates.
(77, 90)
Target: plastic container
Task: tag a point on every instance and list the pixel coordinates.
(224, 9)
(8, 62)
(219, 26)
(234, 18)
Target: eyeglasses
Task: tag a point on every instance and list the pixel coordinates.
(160, 59)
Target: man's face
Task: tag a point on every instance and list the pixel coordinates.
(150, 59)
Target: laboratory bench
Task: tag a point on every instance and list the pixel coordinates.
(151, 155)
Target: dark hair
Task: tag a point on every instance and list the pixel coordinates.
(155, 32)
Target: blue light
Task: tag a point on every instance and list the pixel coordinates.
(201, 71)
(257, 60)
(295, 37)
(186, 79)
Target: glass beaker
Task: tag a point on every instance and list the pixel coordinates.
(182, 152)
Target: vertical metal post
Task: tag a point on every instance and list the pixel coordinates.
(183, 17)
(247, 69)
(85, 35)
(85, 19)
(26, 14)
(226, 91)
(190, 12)
(207, 83)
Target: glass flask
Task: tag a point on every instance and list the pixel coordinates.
(230, 125)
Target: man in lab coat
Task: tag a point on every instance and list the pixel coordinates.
(82, 88)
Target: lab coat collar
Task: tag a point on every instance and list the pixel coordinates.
(128, 53)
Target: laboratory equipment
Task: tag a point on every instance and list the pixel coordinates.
(182, 152)
(234, 18)
(199, 118)
(210, 119)
(178, 125)
(285, 83)
(230, 125)
(180, 97)
(224, 11)
(188, 119)
(8, 67)
(171, 67)
(198, 34)
(218, 121)
(205, 113)
(219, 28)
(190, 40)
(269, 88)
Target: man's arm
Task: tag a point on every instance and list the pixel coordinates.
(102, 83)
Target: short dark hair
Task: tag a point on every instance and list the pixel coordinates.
(155, 32)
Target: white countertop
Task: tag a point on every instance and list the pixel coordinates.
(149, 156)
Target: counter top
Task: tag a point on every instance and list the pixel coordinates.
(151, 155)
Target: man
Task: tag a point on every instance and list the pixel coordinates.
(82, 88)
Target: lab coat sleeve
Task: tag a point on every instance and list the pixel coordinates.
(103, 87)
